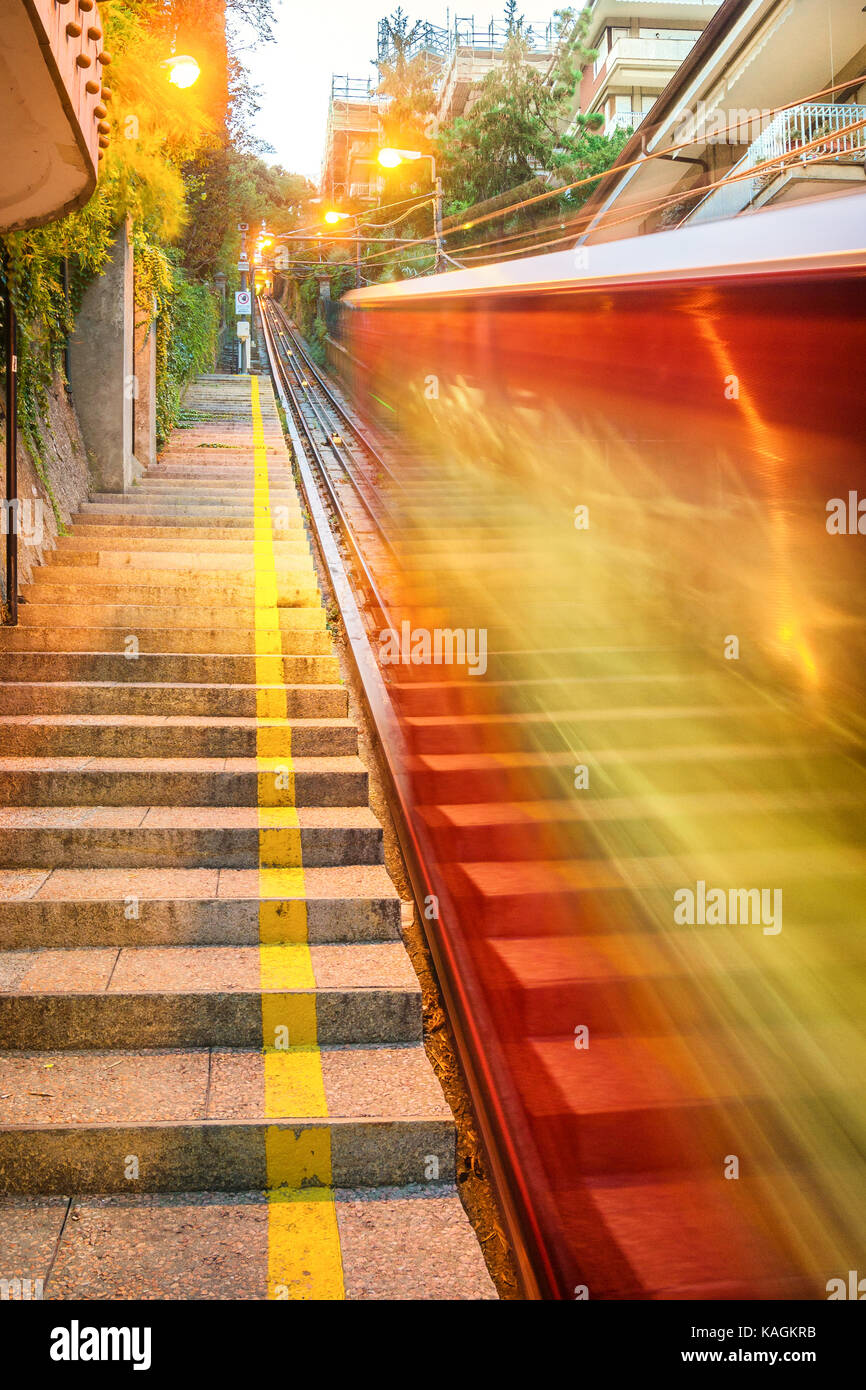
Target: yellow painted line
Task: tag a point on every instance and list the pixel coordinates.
(304, 1259)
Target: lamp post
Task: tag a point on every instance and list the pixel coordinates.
(392, 159)
(183, 69)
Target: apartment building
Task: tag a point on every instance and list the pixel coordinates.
(765, 109)
(640, 46)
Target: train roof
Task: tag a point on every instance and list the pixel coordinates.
(826, 233)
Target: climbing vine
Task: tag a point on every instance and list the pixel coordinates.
(156, 130)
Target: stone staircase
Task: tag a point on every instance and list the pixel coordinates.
(209, 1018)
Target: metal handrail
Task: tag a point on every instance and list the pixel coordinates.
(789, 129)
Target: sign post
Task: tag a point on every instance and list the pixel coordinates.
(243, 301)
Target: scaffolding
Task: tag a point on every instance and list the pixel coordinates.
(441, 44)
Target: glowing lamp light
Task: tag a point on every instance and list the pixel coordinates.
(183, 70)
(389, 159)
(332, 217)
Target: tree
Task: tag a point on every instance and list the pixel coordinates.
(407, 82)
(514, 21)
(514, 130)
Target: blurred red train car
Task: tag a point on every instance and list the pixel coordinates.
(637, 470)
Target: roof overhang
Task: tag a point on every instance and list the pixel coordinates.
(51, 152)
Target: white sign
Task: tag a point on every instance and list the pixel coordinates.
(281, 258)
(243, 226)
(243, 329)
(243, 301)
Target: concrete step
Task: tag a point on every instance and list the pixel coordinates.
(156, 516)
(160, 736)
(188, 564)
(235, 600)
(291, 540)
(295, 584)
(197, 668)
(294, 589)
(192, 907)
(305, 644)
(395, 1243)
(288, 536)
(189, 493)
(332, 782)
(100, 616)
(208, 996)
(187, 836)
(196, 1119)
(164, 701)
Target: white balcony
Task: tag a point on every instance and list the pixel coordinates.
(623, 120)
(632, 61)
(823, 127)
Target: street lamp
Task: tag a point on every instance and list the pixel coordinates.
(333, 217)
(391, 159)
(183, 70)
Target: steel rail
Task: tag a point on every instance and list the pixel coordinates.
(345, 459)
(337, 405)
(325, 426)
(291, 403)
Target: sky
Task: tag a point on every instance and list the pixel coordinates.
(315, 38)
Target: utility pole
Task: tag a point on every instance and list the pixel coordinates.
(439, 263)
(391, 159)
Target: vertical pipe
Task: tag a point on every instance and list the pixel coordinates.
(66, 301)
(11, 336)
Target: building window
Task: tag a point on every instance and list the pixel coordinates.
(604, 45)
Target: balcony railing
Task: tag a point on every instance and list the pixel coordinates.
(492, 35)
(786, 133)
(634, 51)
(624, 120)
